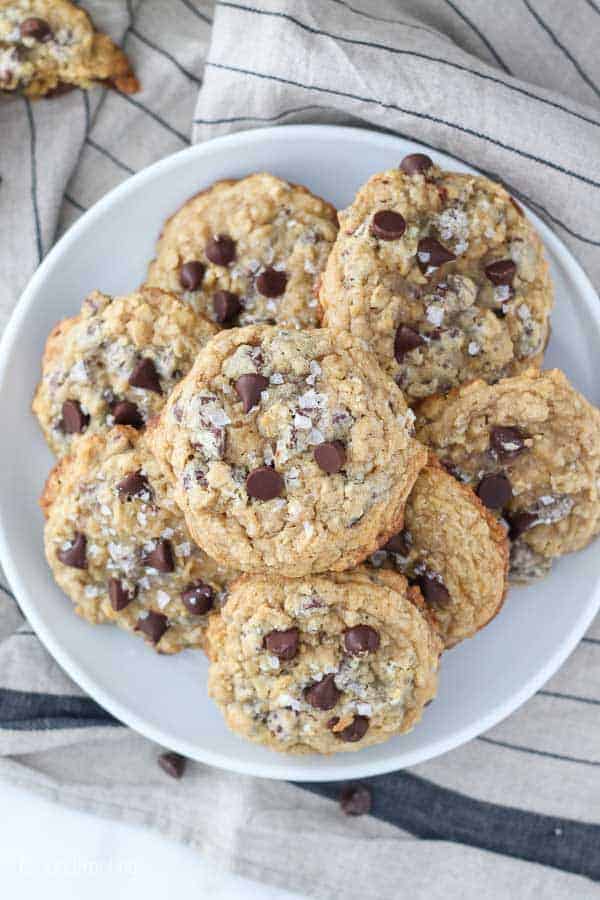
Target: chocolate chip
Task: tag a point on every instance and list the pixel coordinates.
(264, 483)
(361, 639)
(126, 413)
(501, 272)
(226, 306)
(388, 225)
(173, 764)
(400, 543)
(331, 723)
(249, 389)
(145, 376)
(75, 554)
(161, 558)
(220, 250)
(520, 523)
(118, 594)
(355, 800)
(330, 456)
(433, 589)
(198, 598)
(431, 254)
(323, 694)
(406, 340)
(191, 274)
(355, 731)
(133, 484)
(35, 28)
(415, 164)
(283, 644)
(74, 420)
(494, 491)
(271, 283)
(153, 626)
(507, 441)
(62, 87)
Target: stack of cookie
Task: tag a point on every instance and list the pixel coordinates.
(308, 451)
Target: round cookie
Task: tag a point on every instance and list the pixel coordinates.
(530, 446)
(288, 450)
(49, 46)
(118, 546)
(248, 251)
(115, 362)
(322, 664)
(454, 549)
(442, 275)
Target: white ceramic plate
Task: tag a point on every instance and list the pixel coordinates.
(482, 680)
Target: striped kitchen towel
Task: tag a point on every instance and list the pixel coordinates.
(512, 89)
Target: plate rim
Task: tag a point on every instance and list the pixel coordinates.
(61, 654)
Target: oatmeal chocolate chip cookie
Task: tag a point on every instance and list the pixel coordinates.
(443, 277)
(530, 446)
(325, 663)
(454, 549)
(288, 450)
(248, 251)
(115, 363)
(50, 46)
(118, 546)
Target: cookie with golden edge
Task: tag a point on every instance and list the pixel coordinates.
(323, 664)
(248, 251)
(454, 549)
(115, 362)
(118, 547)
(530, 447)
(288, 450)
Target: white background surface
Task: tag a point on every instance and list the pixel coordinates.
(48, 851)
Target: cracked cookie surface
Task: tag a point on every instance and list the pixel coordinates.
(454, 549)
(117, 544)
(115, 363)
(323, 664)
(530, 446)
(288, 450)
(48, 46)
(248, 251)
(443, 277)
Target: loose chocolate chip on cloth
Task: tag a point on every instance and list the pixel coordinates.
(511, 815)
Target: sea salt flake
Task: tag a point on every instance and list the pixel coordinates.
(302, 422)
(473, 348)
(163, 599)
(435, 315)
(276, 378)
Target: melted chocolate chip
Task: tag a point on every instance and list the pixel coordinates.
(133, 484)
(388, 225)
(501, 272)
(400, 543)
(145, 376)
(283, 644)
(494, 491)
(406, 339)
(153, 626)
(361, 639)
(271, 283)
(191, 274)
(198, 598)
(507, 442)
(355, 731)
(226, 306)
(220, 250)
(415, 164)
(330, 456)
(74, 420)
(161, 558)
(355, 800)
(249, 388)
(75, 555)
(264, 483)
(126, 413)
(323, 694)
(173, 764)
(431, 255)
(433, 589)
(521, 522)
(118, 594)
(37, 29)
